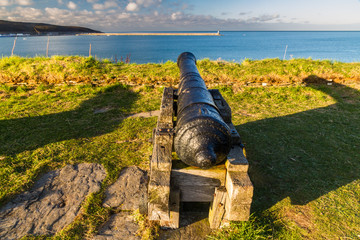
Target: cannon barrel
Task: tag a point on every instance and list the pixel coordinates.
(202, 138)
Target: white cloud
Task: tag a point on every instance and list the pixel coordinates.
(147, 3)
(60, 2)
(105, 5)
(113, 19)
(71, 5)
(24, 2)
(91, 1)
(98, 6)
(5, 3)
(263, 18)
(16, 2)
(124, 16)
(131, 7)
(32, 13)
(176, 15)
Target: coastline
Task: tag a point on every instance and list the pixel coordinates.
(151, 34)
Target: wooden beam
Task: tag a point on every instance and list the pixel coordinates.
(158, 195)
(197, 185)
(235, 137)
(165, 120)
(221, 104)
(174, 221)
(236, 160)
(160, 163)
(217, 207)
(240, 193)
(161, 155)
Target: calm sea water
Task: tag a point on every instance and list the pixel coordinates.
(231, 46)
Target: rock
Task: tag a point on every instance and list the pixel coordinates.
(52, 203)
(129, 192)
(119, 226)
(155, 113)
(102, 110)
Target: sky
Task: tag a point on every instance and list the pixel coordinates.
(188, 15)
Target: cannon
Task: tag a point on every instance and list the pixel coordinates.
(209, 165)
(202, 138)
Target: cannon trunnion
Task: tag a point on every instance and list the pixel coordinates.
(210, 165)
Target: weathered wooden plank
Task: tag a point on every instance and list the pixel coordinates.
(197, 193)
(174, 221)
(239, 187)
(236, 160)
(165, 119)
(217, 207)
(161, 157)
(235, 137)
(160, 163)
(198, 185)
(236, 213)
(221, 104)
(158, 195)
(240, 193)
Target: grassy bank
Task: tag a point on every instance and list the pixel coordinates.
(302, 140)
(70, 70)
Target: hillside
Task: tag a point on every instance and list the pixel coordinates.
(8, 27)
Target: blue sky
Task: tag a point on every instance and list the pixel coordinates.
(167, 15)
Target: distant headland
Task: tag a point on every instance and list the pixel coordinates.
(9, 28)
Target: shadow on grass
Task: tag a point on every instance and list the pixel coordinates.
(94, 117)
(308, 154)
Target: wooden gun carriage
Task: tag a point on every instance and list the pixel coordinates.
(226, 186)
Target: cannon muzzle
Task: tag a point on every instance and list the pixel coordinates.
(202, 138)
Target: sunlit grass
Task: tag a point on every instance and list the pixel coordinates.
(302, 140)
(76, 69)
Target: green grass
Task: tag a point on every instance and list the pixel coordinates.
(251, 229)
(46, 128)
(302, 141)
(302, 144)
(75, 69)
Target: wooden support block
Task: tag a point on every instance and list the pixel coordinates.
(158, 195)
(221, 104)
(197, 185)
(174, 221)
(161, 157)
(217, 207)
(165, 119)
(240, 193)
(160, 163)
(236, 160)
(235, 137)
(237, 213)
(163, 135)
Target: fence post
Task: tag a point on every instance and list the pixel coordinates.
(12, 51)
(47, 47)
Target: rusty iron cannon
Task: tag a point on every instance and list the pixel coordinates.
(202, 138)
(209, 165)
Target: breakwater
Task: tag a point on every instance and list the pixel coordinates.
(153, 34)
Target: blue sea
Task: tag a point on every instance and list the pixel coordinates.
(230, 46)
